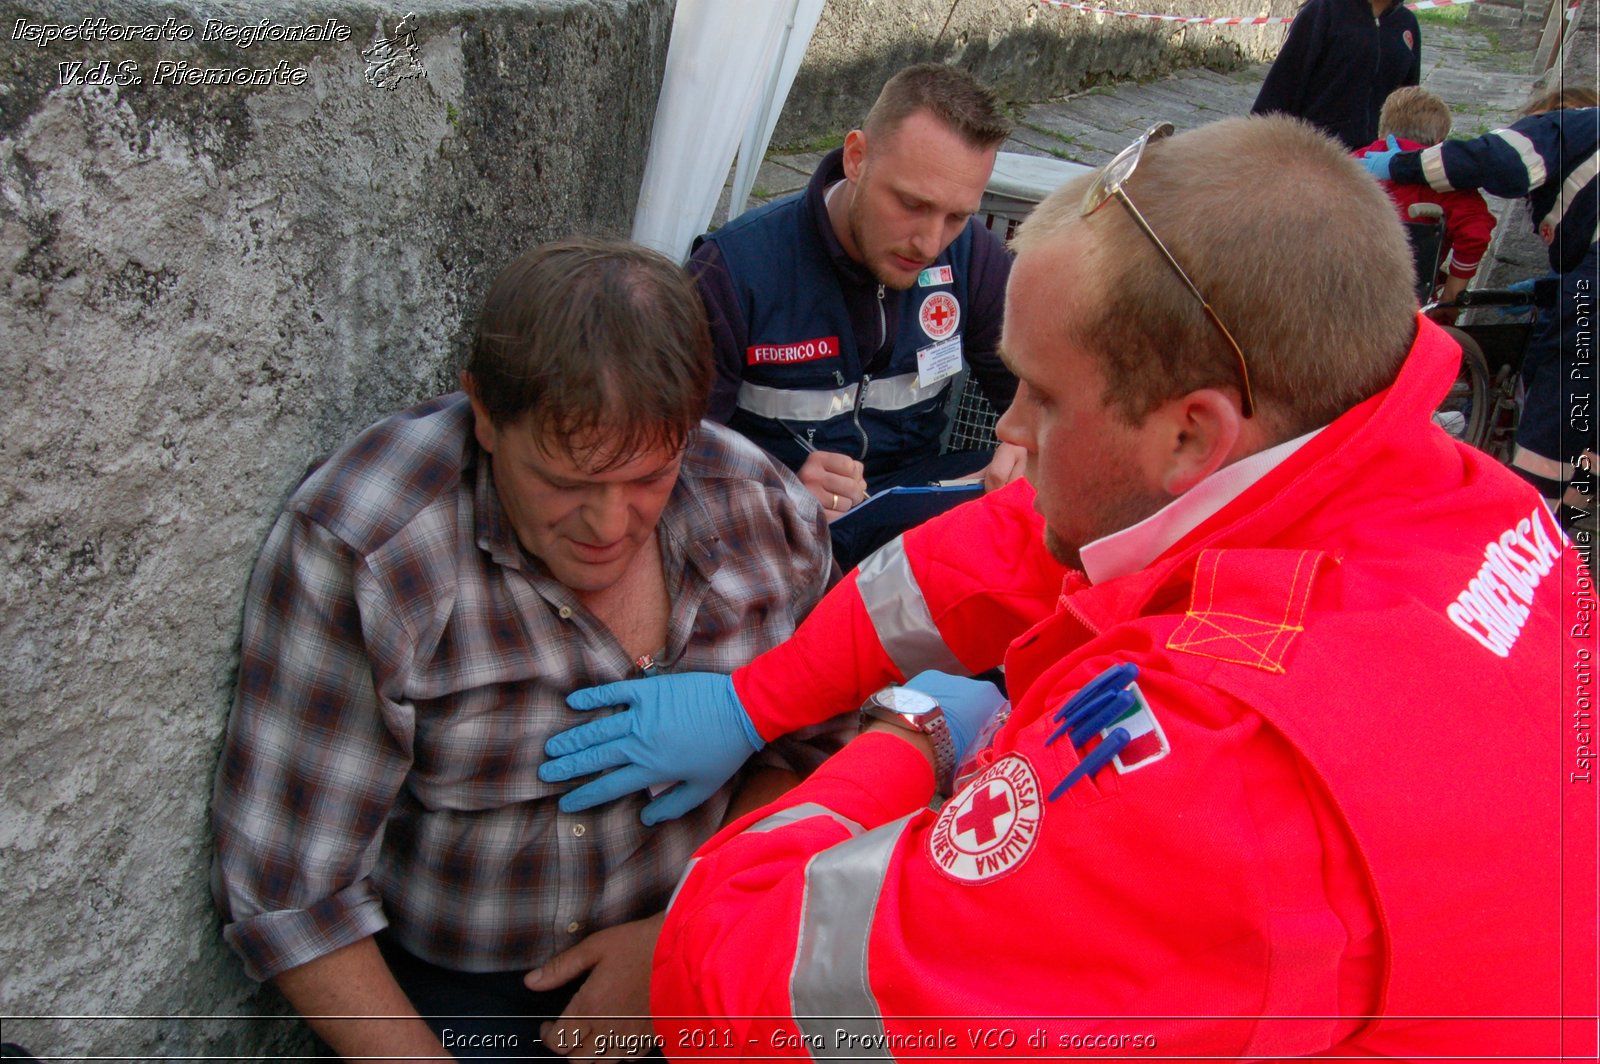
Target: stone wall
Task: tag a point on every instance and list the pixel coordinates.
(206, 287)
(1027, 50)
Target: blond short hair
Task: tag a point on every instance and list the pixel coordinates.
(958, 100)
(1414, 114)
(1297, 249)
(1564, 98)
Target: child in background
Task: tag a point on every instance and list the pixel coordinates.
(1549, 156)
(1413, 119)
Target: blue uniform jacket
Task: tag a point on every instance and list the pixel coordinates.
(1549, 158)
(810, 347)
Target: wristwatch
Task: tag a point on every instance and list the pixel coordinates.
(916, 712)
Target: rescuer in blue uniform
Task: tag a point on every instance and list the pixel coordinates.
(841, 315)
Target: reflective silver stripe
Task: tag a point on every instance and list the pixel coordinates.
(1569, 190)
(1532, 161)
(830, 988)
(687, 869)
(1433, 170)
(900, 614)
(796, 404)
(805, 811)
(793, 815)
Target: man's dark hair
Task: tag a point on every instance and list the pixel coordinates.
(599, 343)
(954, 97)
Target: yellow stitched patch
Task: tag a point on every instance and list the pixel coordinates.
(1247, 606)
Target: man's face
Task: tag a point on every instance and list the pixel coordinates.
(1092, 472)
(586, 526)
(911, 193)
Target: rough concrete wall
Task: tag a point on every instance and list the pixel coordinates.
(1026, 50)
(205, 288)
(1580, 54)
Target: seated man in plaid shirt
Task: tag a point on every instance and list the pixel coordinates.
(428, 598)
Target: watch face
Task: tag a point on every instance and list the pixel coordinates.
(905, 700)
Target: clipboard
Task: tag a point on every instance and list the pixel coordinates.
(905, 506)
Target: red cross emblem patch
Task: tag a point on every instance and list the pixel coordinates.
(990, 827)
(940, 315)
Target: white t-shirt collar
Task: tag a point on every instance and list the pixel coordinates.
(1133, 548)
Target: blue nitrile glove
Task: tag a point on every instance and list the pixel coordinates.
(689, 727)
(1379, 162)
(968, 704)
(1526, 288)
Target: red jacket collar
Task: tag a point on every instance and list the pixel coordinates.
(1392, 426)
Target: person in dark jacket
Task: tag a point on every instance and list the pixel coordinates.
(1340, 62)
(840, 316)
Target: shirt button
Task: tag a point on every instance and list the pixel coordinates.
(578, 830)
(574, 927)
(565, 613)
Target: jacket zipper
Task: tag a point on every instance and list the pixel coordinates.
(866, 378)
(855, 415)
(883, 321)
(1078, 615)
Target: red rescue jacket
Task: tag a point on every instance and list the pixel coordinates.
(1365, 825)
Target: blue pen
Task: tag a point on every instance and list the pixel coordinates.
(1109, 748)
(1113, 679)
(1087, 702)
(1088, 709)
(1115, 707)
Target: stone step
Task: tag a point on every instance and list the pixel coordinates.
(1511, 14)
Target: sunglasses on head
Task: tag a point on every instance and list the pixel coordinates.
(1108, 185)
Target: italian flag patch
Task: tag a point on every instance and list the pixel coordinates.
(1147, 743)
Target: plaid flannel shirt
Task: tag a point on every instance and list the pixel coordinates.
(404, 661)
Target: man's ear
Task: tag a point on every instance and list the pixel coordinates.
(1198, 434)
(855, 154)
(482, 427)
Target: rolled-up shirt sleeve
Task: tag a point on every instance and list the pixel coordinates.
(311, 764)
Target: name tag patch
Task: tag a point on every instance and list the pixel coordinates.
(939, 361)
(940, 315)
(990, 827)
(799, 351)
(934, 276)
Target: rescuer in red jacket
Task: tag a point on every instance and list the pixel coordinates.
(1299, 753)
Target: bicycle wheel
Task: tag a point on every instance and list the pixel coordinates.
(1466, 411)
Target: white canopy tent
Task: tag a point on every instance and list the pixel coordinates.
(729, 68)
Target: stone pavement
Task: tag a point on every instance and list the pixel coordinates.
(1481, 67)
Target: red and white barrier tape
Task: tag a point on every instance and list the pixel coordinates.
(1217, 20)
